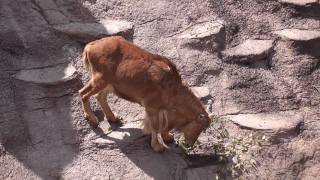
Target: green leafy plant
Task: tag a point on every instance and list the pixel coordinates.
(238, 153)
(184, 146)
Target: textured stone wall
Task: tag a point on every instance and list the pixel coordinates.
(254, 62)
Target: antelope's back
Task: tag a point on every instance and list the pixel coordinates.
(134, 73)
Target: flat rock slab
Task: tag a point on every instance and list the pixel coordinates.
(201, 91)
(299, 2)
(96, 30)
(47, 75)
(268, 121)
(298, 34)
(249, 50)
(202, 30)
(208, 36)
(128, 133)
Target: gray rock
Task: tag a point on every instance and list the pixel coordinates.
(95, 30)
(202, 30)
(298, 34)
(201, 91)
(283, 121)
(48, 75)
(204, 35)
(46, 4)
(249, 50)
(299, 2)
(82, 29)
(55, 17)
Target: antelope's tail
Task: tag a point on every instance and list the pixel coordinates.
(85, 59)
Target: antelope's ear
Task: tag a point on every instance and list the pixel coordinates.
(196, 92)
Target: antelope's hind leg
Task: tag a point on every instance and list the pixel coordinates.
(86, 92)
(102, 99)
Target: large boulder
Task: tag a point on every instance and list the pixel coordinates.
(90, 31)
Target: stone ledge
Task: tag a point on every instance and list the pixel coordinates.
(249, 50)
(90, 31)
(282, 121)
(204, 36)
(47, 75)
(298, 34)
(202, 30)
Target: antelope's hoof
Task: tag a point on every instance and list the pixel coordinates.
(94, 125)
(158, 148)
(92, 121)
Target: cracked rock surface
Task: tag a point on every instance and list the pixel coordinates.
(43, 133)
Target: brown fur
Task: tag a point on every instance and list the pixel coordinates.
(118, 66)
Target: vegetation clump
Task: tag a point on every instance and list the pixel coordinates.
(237, 153)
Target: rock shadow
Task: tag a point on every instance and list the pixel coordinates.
(310, 11)
(47, 141)
(309, 47)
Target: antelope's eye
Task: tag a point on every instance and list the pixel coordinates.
(201, 116)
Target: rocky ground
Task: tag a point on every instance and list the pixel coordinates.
(257, 61)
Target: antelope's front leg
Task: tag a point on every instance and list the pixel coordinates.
(102, 99)
(156, 146)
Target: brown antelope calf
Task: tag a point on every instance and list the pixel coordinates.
(118, 66)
